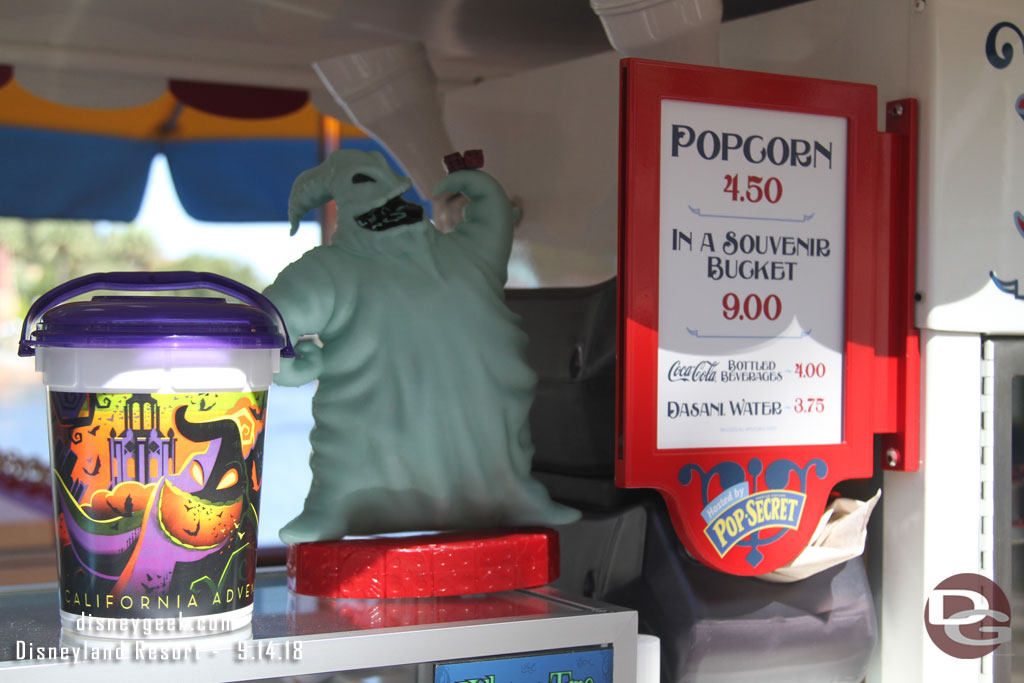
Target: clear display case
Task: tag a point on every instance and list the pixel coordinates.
(301, 636)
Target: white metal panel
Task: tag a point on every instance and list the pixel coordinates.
(861, 41)
(550, 136)
(273, 43)
(932, 517)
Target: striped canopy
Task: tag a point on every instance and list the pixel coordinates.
(233, 151)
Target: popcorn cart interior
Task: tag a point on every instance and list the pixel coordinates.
(766, 420)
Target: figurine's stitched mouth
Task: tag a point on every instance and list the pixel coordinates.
(392, 214)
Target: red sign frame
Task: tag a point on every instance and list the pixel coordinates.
(816, 468)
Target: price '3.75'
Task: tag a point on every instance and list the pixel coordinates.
(809, 405)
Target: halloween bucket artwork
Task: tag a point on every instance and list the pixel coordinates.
(157, 411)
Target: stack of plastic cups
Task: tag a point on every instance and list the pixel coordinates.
(391, 92)
(667, 30)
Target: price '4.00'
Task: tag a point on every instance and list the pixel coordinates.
(810, 369)
(752, 307)
(771, 190)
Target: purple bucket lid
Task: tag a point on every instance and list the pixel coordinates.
(157, 321)
(154, 321)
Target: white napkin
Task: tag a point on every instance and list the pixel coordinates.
(839, 536)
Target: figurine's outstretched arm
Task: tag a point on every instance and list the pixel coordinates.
(486, 227)
(304, 293)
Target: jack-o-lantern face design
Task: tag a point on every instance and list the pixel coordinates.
(193, 522)
(207, 512)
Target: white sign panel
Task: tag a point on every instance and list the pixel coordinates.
(751, 277)
(971, 260)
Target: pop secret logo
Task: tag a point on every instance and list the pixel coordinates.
(967, 616)
(754, 508)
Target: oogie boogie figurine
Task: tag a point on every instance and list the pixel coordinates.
(421, 410)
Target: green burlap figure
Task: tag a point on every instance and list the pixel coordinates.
(424, 391)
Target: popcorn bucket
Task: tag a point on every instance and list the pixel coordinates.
(157, 410)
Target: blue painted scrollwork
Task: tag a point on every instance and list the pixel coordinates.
(729, 474)
(1001, 59)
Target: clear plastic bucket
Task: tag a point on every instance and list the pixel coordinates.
(157, 410)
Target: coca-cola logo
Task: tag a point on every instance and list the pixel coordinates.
(704, 371)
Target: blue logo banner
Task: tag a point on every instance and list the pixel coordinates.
(773, 508)
(724, 500)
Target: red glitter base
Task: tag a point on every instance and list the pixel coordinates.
(428, 565)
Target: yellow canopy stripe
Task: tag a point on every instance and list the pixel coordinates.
(18, 107)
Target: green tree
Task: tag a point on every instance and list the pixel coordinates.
(49, 252)
(204, 263)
